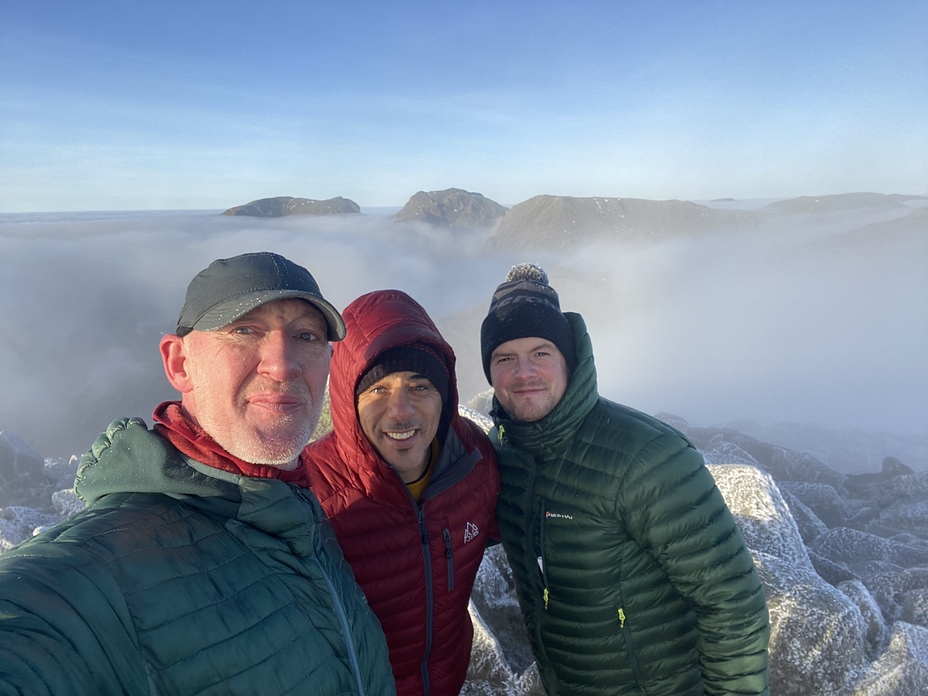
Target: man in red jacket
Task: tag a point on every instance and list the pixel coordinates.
(410, 486)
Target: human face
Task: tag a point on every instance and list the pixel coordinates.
(399, 416)
(529, 376)
(256, 385)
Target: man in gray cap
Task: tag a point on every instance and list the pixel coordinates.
(201, 564)
(631, 573)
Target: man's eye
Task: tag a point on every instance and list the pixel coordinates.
(242, 330)
(307, 336)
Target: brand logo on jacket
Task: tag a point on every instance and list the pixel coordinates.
(470, 532)
(558, 515)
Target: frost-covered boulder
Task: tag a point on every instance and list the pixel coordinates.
(877, 632)
(18, 523)
(483, 421)
(810, 526)
(899, 592)
(818, 635)
(501, 660)
(902, 669)
(906, 515)
(865, 553)
(827, 504)
(722, 452)
(763, 517)
(782, 463)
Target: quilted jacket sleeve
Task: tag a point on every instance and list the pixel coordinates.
(679, 514)
(61, 630)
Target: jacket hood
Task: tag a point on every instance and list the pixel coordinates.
(129, 458)
(555, 430)
(376, 322)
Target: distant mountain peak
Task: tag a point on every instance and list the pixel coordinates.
(561, 222)
(281, 206)
(452, 207)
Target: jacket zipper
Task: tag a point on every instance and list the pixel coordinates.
(342, 616)
(545, 595)
(429, 599)
(446, 533)
(627, 633)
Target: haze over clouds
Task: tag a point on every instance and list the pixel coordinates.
(769, 328)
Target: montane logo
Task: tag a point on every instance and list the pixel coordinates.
(558, 515)
(470, 532)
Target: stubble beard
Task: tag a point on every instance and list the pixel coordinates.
(280, 448)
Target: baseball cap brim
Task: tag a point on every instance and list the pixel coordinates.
(225, 313)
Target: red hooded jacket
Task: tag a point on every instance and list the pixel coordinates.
(415, 562)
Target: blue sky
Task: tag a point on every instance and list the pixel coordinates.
(205, 105)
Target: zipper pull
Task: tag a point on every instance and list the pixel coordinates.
(621, 618)
(546, 598)
(502, 433)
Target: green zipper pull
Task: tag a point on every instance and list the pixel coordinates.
(501, 433)
(621, 618)
(546, 598)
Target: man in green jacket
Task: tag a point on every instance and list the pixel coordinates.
(631, 574)
(200, 566)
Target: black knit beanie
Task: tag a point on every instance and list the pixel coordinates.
(525, 305)
(417, 358)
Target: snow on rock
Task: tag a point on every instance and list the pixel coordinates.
(902, 670)
(18, 523)
(762, 514)
(830, 507)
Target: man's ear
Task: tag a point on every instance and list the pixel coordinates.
(174, 357)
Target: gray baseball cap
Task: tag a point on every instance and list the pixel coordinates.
(230, 288)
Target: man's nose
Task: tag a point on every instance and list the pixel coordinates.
(278, 356)
(524, 367)
(399, 404)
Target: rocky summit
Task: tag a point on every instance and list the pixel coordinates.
(452, 208)
(287, 205)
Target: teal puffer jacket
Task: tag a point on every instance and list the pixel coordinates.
(631, 573)
(183, 579)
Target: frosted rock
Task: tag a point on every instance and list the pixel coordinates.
(818, 635)
(762, 515)
(877, 632)
(902, 670)
(915, 607)
(723, 452)
(483, 421)
(822, 499)
(865, 553)
(18, 523)
(67, 503)
(810, 526)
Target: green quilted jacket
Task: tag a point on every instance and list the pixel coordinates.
(631, 574)
(183, 579)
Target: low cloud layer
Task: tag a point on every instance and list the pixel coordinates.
(787, 324)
